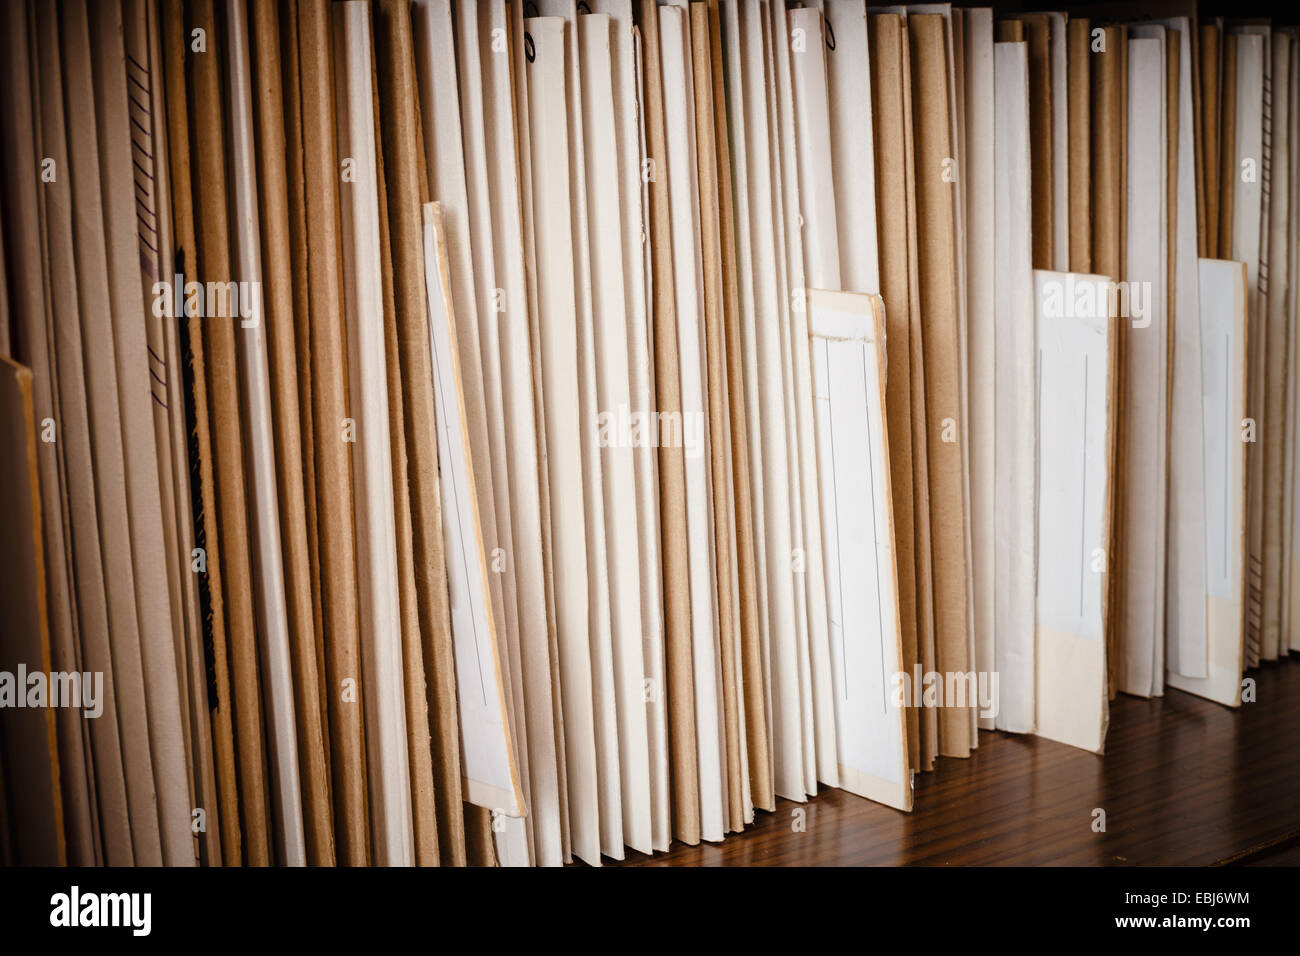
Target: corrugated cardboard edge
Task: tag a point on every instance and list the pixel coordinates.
(672, 476)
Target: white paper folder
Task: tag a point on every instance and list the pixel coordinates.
(1223, 288)
(1077, 345)
(848, 366)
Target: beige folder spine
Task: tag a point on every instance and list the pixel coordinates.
(614, 400)
(28, 738)
(148, 550)
(1079, 89)
(1277, 322)
(936, 209)
(738, 303)
(89, 639)
(886, 41)
(336, 537)
(523, 52)
(255, 394)
(35, 385)
(403, 166)
(601, 633)
(295, 181)
(278, 305)
(536, 629)
(982, 309)
(512, 834)
(222, 387)
(415, 689)
(392, 829)
(557, 347)
(148, 150)
(812, 653)
(720, 429)
(679, 688)
(214, 750)
(783, 693)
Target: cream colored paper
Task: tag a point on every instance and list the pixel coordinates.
(1015, 416)
(601, 639)
(614, 399)
(1144, 477)
(264, 513)
(1186, 650)
(512, 834)
(491, 772)
(773, 426)
(1224, 295)
(981, 310)
(746, 238)
(674, 30)
(625, 53)
(389, 776)
(540, 698)
(1247, 229)
(1076, 409)
(558, 350)
(866, 635)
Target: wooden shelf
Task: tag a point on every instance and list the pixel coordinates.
(1183, 782)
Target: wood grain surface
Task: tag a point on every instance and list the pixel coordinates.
(1183, 782)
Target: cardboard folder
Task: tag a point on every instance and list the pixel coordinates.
(1015, 410)
(212, 722)
(435, 713)
(1077, 411)
(336, 538)
(1210, 67)
(747, 438)
(296, 187)
(139, 433)
(386, 750)
(146, 114)
(491, 771)
(536, 622)
(941, 297)
(754, 745)
(65, 376)
(904, 399)
(849, 370)
(1186, 650)
(683, 191)
(1278, 321)
(981, 298)
(955, 174)
(1109, 190)
(726, 571)
(614, 394)
(511, 833)
(282, 350)
(154, 20)
(1245, 218)
(679, 684)
(29, 744)
(1144, 476)
(810, 586)
(603, 683)
(1224, 336)
(1290, 607)
(1079, 122)
(558, 355)
(775, 428)
(264, 510)
(627, 50)
(414, 686)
